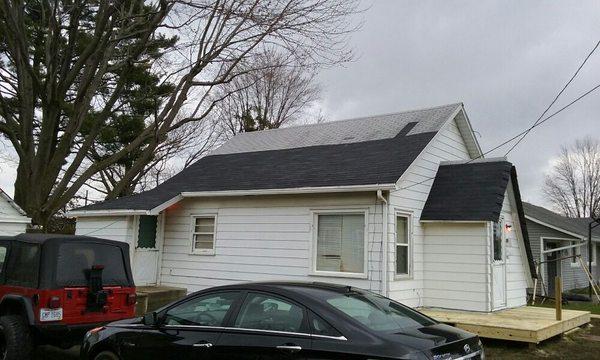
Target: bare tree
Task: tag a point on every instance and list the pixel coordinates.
(70, 68)
(573, 184)
(274, 94)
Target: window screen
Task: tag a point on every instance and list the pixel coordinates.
(24, 265)
(203, 234)
(75, 260)
(402, 245)
(498, 241)
(147, 232)
(341, 243)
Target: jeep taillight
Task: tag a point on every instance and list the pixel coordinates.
(54, 302)
(131, 299)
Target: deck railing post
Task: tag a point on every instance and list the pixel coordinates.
(558, 297)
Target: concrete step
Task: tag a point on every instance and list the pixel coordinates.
(150, 298)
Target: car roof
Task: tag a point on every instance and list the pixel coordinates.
(291, 286)
(44, 238)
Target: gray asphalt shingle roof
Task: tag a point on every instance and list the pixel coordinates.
(365, 151)
(468, 191)
(578, 226)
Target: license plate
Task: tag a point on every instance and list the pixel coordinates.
(51, 314)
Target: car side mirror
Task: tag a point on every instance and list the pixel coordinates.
(151, 318)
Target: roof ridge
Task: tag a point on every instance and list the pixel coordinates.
(350, 119)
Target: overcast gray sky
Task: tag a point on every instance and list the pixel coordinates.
(505, 60)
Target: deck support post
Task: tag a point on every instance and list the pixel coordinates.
(558, 297)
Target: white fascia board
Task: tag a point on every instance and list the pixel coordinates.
(305, 190)
(194, 194)
(472, 133)
(12, 203)
(165, 205)
(91, 213)
(455, 221)
(555, 227)
(23, 220)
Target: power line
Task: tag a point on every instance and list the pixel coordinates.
(555, 98)
(538, 123)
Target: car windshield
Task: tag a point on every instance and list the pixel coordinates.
(377, 312)
(75, 260)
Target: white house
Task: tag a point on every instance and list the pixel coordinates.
(13, 219)
(393, 203)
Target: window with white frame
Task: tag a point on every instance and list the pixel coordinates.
(403, 245)
(203, 234)
(340, 243)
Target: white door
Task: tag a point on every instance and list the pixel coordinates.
(146, 255)
(498, 267)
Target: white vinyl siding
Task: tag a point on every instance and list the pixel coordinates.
(413, 189)
(516, 260)
(340, 243)
(11, 220)
(262, 238)
(203, 230)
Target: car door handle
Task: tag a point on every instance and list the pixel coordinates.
(206, 345)
(289, 348)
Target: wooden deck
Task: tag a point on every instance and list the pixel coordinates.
(526, 324)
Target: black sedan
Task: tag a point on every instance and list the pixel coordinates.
(282, 320)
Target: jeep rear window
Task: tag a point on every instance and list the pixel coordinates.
(75, 260)
(23, 265)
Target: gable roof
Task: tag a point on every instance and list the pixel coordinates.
(468, 191)
(571, 226)
(368, 151)
(475, 191)
(12, 203)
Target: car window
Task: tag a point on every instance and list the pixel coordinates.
(377, 312)
(319, 326)
(23, 265)
(3, 251)
(265, 312)
(207, 310)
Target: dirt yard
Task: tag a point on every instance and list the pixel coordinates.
(582, 344)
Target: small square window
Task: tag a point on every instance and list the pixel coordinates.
(203, 235)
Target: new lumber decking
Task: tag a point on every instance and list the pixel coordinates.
(526, 324)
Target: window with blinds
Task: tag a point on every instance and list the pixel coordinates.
(203, 235)
(341, 243)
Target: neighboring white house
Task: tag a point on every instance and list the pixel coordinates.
(393, 203)
(13, 219)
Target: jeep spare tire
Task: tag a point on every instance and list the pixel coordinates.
(15, 338)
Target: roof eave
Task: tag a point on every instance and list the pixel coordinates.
(230, 193)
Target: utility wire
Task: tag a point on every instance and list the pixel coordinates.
(538, 123)
(555, 99)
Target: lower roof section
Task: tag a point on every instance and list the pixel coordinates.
(468, 191)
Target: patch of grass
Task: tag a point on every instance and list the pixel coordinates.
(582, 344)
(574, 305)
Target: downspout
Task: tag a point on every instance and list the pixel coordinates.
(384, 244)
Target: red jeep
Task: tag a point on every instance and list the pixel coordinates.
(54, 288)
